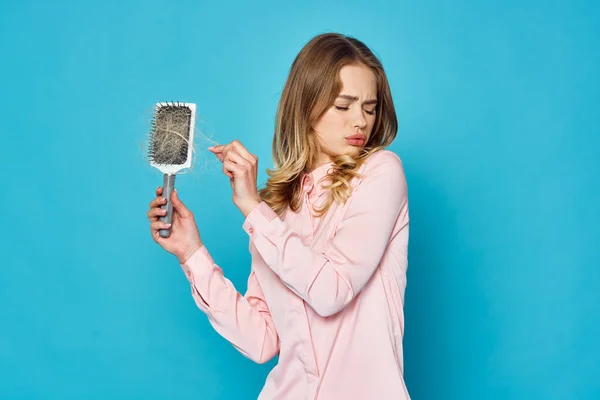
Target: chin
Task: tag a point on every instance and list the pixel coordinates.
(352, 151)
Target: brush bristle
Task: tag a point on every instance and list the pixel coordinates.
(169, 136)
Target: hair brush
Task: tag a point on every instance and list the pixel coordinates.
(171, 145)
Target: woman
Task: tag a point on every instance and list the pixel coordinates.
(328, 235)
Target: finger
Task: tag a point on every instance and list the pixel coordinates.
(157, 225)
(217, 151)
(231, 169)
(178, 205)
(219, 156)
(237, 158)
(157, 202)
(156, 236)
(226, 149)
(159, 191)
(156, 213)
(241, 149)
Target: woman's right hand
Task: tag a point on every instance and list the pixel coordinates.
(184, 239)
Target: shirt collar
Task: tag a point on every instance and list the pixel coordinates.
(316, 178)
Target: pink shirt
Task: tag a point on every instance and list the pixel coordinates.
(326, 295)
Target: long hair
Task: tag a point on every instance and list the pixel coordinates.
(310, 90)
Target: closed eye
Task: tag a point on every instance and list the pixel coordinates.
(346, 108)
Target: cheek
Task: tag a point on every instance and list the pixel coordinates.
(337, 123)
(330, 125)
(371, 123)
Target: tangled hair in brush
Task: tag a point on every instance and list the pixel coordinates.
(310, 90)
(170, 134)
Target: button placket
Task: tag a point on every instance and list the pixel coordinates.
(307, 226)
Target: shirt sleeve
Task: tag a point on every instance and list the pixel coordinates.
(245, 321)
(329, 280)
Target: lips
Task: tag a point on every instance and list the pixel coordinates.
(356, 140)
(358, 136)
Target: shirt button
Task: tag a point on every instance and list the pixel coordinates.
(307, 183)
(250, 230)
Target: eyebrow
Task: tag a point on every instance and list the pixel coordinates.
(354, 98)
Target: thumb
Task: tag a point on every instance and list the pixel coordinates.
(179, 206)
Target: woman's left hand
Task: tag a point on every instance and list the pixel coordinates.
(241, 167)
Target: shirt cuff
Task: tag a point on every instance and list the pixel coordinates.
(197, 269)
(260, 217)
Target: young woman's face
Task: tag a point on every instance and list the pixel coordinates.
(346, 126)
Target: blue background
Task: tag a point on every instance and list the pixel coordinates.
(499, 115)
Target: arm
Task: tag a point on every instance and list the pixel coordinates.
(329, 280)
(245, 321)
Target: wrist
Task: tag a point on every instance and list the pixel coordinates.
(185, 256)
(247, 207)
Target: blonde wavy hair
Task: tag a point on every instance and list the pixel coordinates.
(310, 90)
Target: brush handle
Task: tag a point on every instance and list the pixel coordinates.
(168, 186)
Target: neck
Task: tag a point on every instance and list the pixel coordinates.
(320, 161)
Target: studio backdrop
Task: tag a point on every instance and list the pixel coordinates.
(498, 106)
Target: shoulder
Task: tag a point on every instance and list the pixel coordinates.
(381, 184)
(384, 162)
(383, 175)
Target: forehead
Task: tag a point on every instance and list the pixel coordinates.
(358, 80)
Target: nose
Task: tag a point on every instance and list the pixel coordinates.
(359, 120)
